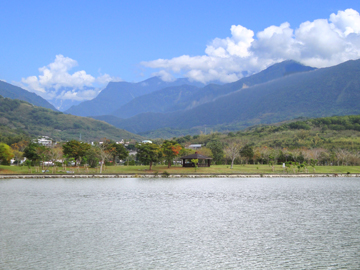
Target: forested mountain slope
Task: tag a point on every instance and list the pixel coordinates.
(19, 117)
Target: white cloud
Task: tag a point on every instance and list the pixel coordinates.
(319, 43)
(55, 77)
(78, 95)
(164, 75)
(106, 78)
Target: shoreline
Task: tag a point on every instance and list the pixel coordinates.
(161, 175)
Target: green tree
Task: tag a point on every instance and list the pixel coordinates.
(6, 154)
(217, 150)
(247, 152)
(75, 149)
(117, 150)
(148, 153)
(93, 156)
(171, 150)
(313, 163)
(43, 153)
(30, 152)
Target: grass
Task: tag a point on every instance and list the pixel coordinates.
(214, 169)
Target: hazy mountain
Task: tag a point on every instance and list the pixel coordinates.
(164, 100)
(15, 92)
(62, 100)
(213, 91)
(186, 97)
(19, 117)
(64, 104)
(117, 94)
(317, 93)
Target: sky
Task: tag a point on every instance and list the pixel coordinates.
(72, 49)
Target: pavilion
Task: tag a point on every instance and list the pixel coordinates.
(204, 161)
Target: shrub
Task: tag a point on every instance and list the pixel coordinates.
(166, 174)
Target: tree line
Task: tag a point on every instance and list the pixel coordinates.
(92, 155)
(232, 151)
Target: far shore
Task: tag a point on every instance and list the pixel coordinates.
(193, 175)
(160, 171)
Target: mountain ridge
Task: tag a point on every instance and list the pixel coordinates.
(119, 93)
(205, 94)
(317, 93)
(14, 92)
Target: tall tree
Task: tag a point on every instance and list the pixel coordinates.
(55, 153)
(217, 150)
(232, 151)
(117, 150)
(171, 150)
(93, 156)
(103, 155)
(148, 153)
(30, 152)
(75, 149)
(43, 152)
(247, 152)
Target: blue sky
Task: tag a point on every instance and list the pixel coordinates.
(99, 41)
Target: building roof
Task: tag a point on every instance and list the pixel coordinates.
(195, 156)
(194, 146)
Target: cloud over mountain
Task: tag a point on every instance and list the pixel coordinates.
(56, 82)
(320, 43)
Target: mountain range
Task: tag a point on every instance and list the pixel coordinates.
(186, 97)
(312, 93)
(284, 91)
(117, 94)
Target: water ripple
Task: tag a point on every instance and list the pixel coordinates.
(180, 224)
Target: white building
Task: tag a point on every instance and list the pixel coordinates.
(194, 146)
(44, 140)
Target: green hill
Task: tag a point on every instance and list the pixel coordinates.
(22, 118)
(10, 91)
(337, 132)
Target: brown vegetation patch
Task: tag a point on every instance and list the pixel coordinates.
(2, 171)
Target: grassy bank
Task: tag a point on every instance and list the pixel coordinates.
(214, 169)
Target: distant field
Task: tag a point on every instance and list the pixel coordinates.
(214, 169)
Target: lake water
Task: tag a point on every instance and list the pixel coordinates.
(285, 223)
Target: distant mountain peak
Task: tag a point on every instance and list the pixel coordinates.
(117, 94)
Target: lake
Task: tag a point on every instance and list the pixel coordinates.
(202, 223)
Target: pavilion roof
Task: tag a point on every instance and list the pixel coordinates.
(195, 156)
